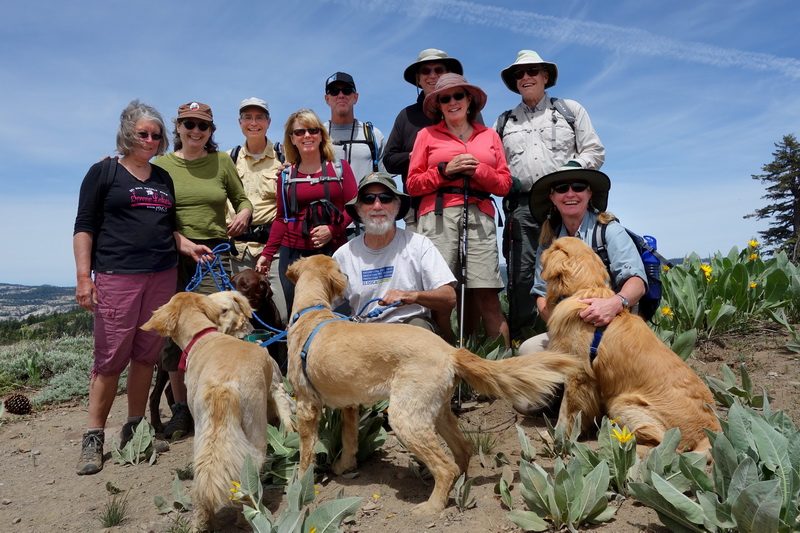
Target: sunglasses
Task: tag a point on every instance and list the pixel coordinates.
(530, 71)
(299, 132)
(144, 135)
(190, 124)
(577, 186)
(334, 91)
(384, 197)
(446, 99)
(427, 70)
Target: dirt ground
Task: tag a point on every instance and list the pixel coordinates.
(39, 490)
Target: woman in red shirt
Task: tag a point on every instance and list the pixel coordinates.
(447, 157)
(312, 192)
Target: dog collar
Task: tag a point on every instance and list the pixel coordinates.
(185, 353)
(300, 313)
(598, 336)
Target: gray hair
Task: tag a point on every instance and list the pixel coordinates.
(126, 135)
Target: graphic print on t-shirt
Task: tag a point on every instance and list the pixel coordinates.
(144, 196)
(377, 275)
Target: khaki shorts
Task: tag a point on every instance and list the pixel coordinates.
(483, 262)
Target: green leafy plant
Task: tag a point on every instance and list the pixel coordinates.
(114, 511)
(567, 498)
(504, 487)
(483, 442)
(462, 487)
(728, 390)
(561, 442)
(140, 448)
(754, 483)
(297, 517)
(180, 524)
(180, 502)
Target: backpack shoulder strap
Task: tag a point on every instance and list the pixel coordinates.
(599, 243)
(369, 134)
(279, 154)
(501, 123)
(235, 153)
(337, 169)
(107, 174)
(565, 111)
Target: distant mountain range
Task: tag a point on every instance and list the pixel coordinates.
(18, 302)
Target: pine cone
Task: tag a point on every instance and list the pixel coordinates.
(17, 404)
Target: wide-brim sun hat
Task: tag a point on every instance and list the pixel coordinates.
(528, 57)
(539, 200)
(381, 178)
(450, 81)
(431, 55)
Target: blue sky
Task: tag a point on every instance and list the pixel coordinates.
(688, 97)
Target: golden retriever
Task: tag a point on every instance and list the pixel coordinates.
(635, 377)
(234, 320)
(227, 381)
(350, 364)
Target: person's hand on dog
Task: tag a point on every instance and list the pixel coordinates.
(262, 265)
(239, 223)
(394, 296)
(86, 293)
(601, 311)
(320, 236)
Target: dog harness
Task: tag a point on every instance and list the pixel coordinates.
(185, 353)
(598, 336)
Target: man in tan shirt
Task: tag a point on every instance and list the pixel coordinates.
(258, 163)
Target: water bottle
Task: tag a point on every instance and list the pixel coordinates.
(652, 267)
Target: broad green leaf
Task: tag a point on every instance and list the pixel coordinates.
(505, 494)
(690, 509)
(758, 507)
(685, 343)
(746, 474)
(250, 480)
(528, 520)
(672, 517)
(725, 464)
(695, 475)
(328, 517)
(527, 451)
(719, 514)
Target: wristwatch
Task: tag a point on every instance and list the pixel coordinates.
(625, 304)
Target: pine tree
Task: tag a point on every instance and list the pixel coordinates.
(783, 193)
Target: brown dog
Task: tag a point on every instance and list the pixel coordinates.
(350, 364)
(635, 377)
(256, 289)
(227, 381)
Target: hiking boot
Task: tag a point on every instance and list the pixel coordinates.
(91, 460)
(181, 421)
(126, 435)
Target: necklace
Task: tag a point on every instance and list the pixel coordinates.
(464, 132)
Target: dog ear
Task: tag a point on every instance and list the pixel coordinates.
(263, 282)
(338, 280)
(243, 304)
(165, 319)
(210, 308)
(295, 269)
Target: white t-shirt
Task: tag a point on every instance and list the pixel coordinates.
(410, 262)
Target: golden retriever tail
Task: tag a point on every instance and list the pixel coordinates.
(532, 378)
(221, 448)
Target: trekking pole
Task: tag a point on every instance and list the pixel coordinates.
(463, 254)
(510, 205)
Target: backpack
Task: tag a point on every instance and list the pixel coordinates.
(318, 212)
(278, 152)
(652, 260)
(369, 140)
(557, 104)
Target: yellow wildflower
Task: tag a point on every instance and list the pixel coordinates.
(708, 270)
(665, 268)
(390, 516)
(753, 256)
(624, 436)
(667, 312)
(753, 243)
(236, 493)
(376, 496)
(313, 529)
(753, 285)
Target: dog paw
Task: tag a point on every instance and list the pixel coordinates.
(341, 466)
(427, 508)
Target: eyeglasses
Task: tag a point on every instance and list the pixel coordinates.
(299, 132)
(190, 124)
(427, 70)
(144, 135)
(577, 186)
(530, 71)
(384, 197)
(334, 91)
(446, 99)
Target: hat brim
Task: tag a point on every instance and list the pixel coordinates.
(431, 105)
(196, 114)
(508, 74)
(539, 200)
(452, 64)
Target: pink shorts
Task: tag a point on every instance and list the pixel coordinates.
(124, 303)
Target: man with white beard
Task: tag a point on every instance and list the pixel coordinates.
(389, 264)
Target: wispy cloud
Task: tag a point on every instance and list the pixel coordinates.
(599, 35)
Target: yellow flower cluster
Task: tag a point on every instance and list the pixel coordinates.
(667, 312)
(753, 285)
(236, 491)
(708, 270)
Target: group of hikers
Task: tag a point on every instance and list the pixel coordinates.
(329, 187)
